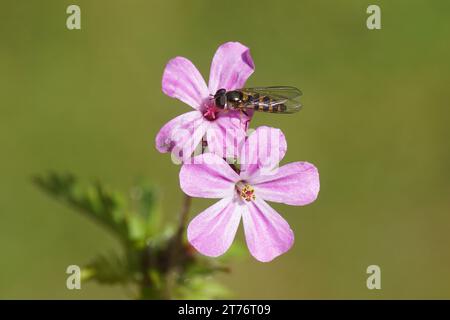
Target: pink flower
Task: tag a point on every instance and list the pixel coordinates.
(230, 68)
(244, 195)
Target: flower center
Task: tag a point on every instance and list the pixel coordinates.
(245, 191)
(210, 112)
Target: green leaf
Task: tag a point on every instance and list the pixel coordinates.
(136, 229)
(201, 288)
(202, 266)
(144, 199)
(108, 269)
(94, 200)
(154, 257)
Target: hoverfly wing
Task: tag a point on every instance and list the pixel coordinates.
(277, 91)
(292, 106)
(278, 99)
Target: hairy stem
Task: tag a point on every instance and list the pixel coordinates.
(176, 249)
(184, 214)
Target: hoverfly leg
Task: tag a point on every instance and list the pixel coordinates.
(242, 112)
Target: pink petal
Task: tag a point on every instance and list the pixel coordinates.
(213, 230)
(267, 234)
(295, 184)
(227, 134)
(208, 177)
(182, 134)
(183, 81)
(231, 66)
(262, 152)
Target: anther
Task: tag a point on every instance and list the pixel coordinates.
(245, 191)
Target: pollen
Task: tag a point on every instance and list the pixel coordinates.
(246, 191)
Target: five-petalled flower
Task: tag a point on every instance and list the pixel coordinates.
(230, 68)
(244, 193)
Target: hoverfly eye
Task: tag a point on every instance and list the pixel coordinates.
(220, 92)
(221, 101)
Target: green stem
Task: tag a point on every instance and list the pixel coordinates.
(184, 214)
(176, 250)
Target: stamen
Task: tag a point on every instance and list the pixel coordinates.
(210, 113)
(245, 191)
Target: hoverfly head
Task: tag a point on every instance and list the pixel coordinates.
(220, 98)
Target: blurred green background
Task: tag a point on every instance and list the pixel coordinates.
(375, 123)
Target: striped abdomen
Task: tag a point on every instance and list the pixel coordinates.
(262, 103)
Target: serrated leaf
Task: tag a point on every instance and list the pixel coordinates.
(201, 288)
(94, 200)
(149, 248)
(108, 269)
(144, 199)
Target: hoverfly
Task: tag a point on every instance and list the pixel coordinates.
(278, 99)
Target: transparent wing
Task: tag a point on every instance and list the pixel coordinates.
(281, 92)
(280, 99)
